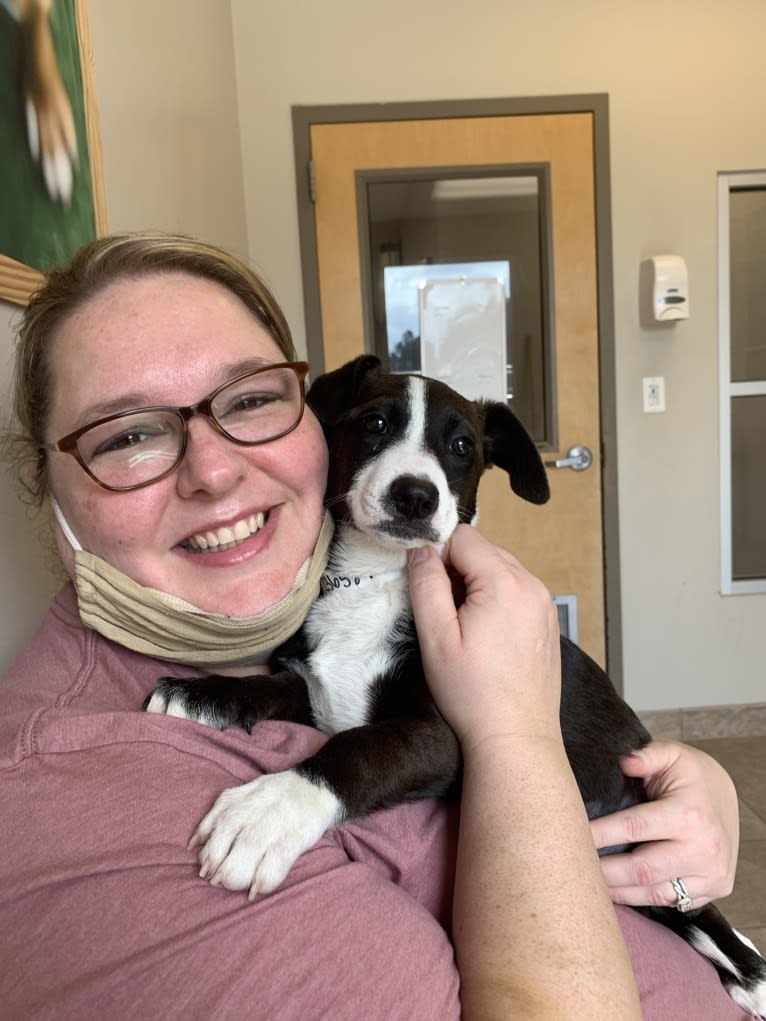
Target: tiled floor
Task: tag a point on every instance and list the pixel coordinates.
(745, 760)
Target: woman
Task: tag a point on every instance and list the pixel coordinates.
(192, 546)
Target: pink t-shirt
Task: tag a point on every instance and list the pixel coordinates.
(103, 913)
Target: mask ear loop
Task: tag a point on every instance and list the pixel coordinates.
(64, 524)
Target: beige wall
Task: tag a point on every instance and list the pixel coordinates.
(687, 87)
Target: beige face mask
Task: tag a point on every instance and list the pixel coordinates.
(165, 626)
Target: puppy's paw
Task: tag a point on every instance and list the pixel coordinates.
(254, 833)
(202, 699)
(748, 990)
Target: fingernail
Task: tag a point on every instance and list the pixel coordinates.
(417, 555)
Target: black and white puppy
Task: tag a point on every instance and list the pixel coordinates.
(406, 456)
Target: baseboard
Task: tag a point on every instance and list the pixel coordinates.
(706, 722)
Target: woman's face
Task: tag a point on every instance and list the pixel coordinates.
(170, 339)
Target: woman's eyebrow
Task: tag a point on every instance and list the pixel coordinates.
(136, 401)
(233, 369)
(103, 409)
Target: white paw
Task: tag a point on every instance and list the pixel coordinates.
(750, 994)
(177, 705)
(752, 1000)
(184, 700)
(167, 705)
(254, 833)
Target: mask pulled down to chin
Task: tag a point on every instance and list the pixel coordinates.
(168, 627)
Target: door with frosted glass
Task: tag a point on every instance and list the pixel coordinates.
(520, 221)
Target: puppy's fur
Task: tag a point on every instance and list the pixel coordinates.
(406, 456)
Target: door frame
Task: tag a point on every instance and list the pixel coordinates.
(596, 104)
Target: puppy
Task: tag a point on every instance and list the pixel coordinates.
(406, 456)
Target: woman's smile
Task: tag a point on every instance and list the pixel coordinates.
(225, 538)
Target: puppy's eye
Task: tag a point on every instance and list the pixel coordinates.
(462, 446)
(375, 423)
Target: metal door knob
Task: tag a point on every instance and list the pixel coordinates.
(578, 458)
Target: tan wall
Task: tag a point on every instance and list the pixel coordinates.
(687, 87)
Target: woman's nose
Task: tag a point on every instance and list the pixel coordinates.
(212, 464)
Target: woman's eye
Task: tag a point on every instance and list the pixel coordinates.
(251, 402)
(375, 424)
(123, 441)
(462, 446)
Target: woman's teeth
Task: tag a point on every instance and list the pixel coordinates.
(225, 538)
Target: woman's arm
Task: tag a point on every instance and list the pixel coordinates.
(688, 828)
(534, 929)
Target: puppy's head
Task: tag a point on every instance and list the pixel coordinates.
(407, 452)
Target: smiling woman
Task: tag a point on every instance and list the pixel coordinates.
(217, 483)
(161, 414)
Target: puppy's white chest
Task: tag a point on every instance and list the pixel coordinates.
(353, 634)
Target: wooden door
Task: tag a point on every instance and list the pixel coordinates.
(563, 541)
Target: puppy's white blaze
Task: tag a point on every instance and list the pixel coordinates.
(416, 429)
(254, 833)
(407, 456)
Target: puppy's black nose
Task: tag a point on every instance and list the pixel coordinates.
(413, 498)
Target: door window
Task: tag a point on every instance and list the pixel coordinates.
(458, 281)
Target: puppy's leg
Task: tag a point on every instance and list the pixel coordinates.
(220, 701)
(254, 833)
(740, 966)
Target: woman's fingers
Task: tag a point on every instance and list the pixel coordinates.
(688, 830)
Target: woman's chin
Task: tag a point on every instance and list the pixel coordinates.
(242, 597)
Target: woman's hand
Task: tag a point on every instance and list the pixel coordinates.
(493, 662)
(689, 829)
(493, 665)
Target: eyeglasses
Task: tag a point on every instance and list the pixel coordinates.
(136, 448)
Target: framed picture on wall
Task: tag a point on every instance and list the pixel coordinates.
(51, 184)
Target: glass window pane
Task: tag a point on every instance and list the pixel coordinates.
(747, 214)
(748, 498)
(444, 227)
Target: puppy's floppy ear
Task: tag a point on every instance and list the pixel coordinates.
(508, 445)
(333, 393)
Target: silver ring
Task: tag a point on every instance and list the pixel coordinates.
(684, 901)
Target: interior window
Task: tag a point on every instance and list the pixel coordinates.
(742, 359)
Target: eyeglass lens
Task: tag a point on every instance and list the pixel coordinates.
(140, 446)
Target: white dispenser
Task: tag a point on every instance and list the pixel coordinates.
(669, 288)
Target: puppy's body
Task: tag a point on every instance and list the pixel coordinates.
(406, 458)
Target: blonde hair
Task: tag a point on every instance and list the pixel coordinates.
(94, 267)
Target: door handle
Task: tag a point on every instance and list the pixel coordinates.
(578, 458)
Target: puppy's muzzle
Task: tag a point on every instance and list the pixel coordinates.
(413, 498)
(411, 502)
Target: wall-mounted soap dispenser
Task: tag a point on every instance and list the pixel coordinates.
(667, 289)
